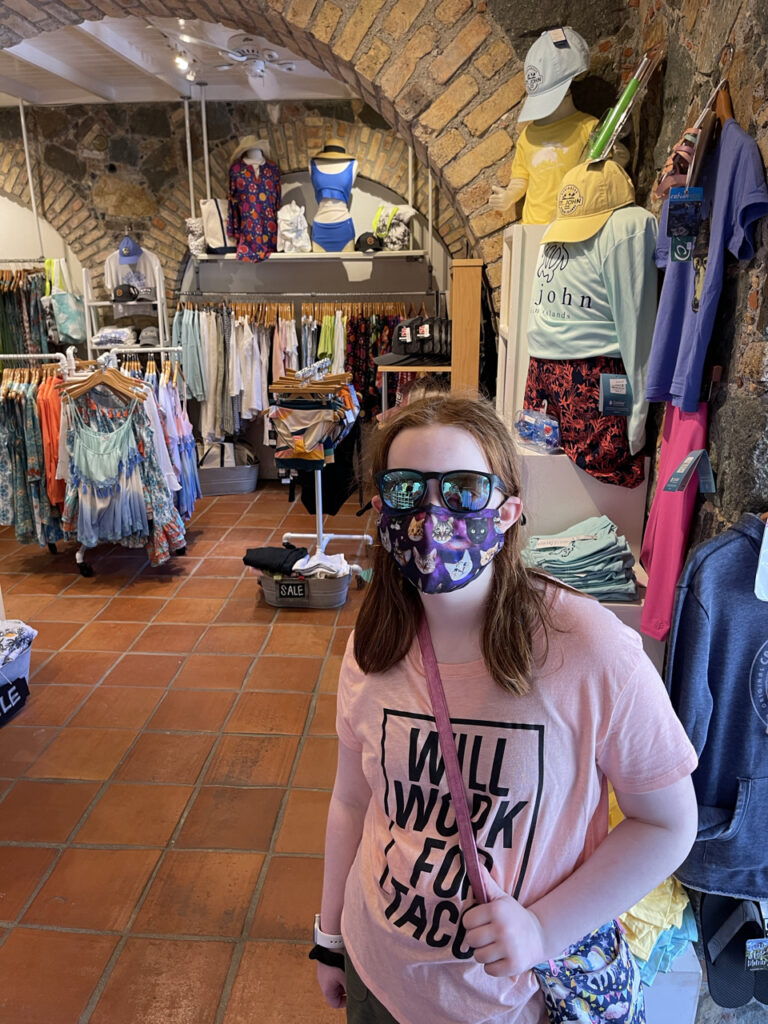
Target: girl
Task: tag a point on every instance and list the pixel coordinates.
(550, 698)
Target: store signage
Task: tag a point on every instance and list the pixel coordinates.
(13, 696)
(292, 590)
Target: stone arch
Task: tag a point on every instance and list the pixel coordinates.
(445, 77)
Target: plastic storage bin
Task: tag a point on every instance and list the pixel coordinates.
(298, 592)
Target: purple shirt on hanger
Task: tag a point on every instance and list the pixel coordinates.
(735, 196)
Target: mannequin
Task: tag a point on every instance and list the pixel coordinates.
(554, 140)
(254, 199)
(505, 199)
(333, 172)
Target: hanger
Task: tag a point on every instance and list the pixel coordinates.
(109, 377)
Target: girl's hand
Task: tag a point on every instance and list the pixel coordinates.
(506, 938)
(333, 985)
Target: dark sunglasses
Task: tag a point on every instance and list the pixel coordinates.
(462, 490)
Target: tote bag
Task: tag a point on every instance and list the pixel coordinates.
(68, 309)
(214, 215)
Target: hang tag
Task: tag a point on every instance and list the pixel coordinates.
(558, 37)
(683, 221)
(761, 576)
(698, 459)
(615, 395)
(684, 212)
(757, 954)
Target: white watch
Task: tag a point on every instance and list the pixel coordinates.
(322, 938)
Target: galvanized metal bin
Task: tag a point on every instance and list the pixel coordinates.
(310, 592)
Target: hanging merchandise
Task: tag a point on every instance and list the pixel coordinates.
(26, 442)
(553, 142)
(67, 307)
(254, 199)
(734, 198)
(666, 533)
(117, 467)
(333, 173)
(26, 323)
(591, 321)
(717, 677)
(292, 229)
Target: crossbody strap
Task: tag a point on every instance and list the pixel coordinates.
(451, 761)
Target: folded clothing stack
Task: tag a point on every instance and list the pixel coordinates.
(109, 336)
(291, 561)
(589, 556)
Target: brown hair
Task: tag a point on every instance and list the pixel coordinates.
(386, 624)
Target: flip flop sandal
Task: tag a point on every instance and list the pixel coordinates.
(726, 924)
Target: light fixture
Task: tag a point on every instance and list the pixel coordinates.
(182, 23)
(181, 62)
(191, 75)
(186, 39)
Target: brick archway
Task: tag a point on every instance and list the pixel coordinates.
(445, 77)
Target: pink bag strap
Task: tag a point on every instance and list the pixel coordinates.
(451, 761)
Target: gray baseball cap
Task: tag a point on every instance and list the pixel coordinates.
(551, 64)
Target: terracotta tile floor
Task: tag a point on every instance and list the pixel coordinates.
(163, 794)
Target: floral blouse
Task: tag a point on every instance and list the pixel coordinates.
(254, 199)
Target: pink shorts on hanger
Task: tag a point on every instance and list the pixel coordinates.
(666, 533)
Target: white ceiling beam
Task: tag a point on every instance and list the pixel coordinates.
(36, 57)
(144, 62)
(18, 91)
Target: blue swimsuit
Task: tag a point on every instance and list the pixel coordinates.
(333, 237)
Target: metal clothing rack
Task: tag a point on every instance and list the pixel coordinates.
(137, 350)
(321, 538)
(48, 357)
(367, 297)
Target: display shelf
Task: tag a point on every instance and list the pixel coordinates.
(557, 494)
(151, 308)
(414, 368)
(294, 257)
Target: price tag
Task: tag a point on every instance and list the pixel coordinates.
(757, 954)
(683, 222)
(698, 459)
(615, 395)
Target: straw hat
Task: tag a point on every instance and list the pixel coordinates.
(333, 150)
(246, 143)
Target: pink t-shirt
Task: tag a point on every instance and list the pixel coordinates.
(536, 770)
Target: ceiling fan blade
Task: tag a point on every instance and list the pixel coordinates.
(238, 57)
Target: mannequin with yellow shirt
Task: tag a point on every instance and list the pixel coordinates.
(554, 140)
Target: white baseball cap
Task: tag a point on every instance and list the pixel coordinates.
(551, 64)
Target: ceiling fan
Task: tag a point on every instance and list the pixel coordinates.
(242, 50)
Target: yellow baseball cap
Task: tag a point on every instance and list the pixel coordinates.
(587, 197)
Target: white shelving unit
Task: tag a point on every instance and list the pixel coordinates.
(556, 492)
(118, 311)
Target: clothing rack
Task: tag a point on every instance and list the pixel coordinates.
(48, 357)
(37, 261)
(136, 350)
(321, 538)
(306, 295)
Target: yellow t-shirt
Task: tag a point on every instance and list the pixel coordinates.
(544, 155)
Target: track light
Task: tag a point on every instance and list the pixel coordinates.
(191, 75)
(181, 62)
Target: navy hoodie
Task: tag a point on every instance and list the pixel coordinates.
(717, 677)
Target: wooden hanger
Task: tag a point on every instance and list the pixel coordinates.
(109, 377)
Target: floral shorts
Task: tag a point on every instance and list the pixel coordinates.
(597, 444)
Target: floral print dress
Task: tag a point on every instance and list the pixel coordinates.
(254, 199)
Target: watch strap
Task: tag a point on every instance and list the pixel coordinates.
(329, 957)
(322, 938)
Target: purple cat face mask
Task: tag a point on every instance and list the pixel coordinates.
(438, 550)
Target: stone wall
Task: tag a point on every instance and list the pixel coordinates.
(108, 168)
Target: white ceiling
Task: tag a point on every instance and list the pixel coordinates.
(129, 60)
